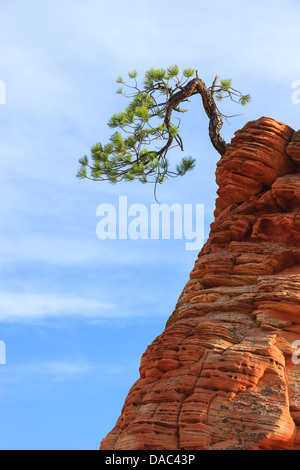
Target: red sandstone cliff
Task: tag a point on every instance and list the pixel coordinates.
(221, 375)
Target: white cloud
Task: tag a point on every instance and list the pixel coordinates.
(57, 370)
(39, 372)
(88, 251)
(94, 41)
(43, 373)
(252, 35)
(31, 307)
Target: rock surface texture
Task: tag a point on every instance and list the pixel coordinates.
(224, 373)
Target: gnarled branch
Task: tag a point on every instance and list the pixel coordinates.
(195, 86)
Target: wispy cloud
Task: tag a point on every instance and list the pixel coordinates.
(272, 25)
(42, 374)
(31, 307)
(55, 371)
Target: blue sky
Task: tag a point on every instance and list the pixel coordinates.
(76, 312)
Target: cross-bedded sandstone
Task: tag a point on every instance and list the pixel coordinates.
(221, 375)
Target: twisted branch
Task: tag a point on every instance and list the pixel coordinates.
(196, 86)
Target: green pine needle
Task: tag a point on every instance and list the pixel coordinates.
(245, 99)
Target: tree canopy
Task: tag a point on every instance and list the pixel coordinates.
(146, 131)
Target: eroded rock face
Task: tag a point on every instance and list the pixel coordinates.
(222, 375)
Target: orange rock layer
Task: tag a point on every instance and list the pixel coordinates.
(223, 374)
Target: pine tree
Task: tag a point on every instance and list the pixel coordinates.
(145, 133)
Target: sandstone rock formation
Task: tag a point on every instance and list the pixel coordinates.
(222, 374)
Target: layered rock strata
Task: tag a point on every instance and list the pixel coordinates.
(224, 374)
